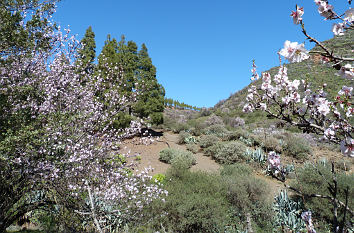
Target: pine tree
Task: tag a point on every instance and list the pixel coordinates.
(151, 99)
(87, 53)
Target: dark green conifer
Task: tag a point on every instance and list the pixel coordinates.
(87, 53)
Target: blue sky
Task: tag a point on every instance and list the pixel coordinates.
(202, 49)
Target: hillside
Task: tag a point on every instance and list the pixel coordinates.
(312, 70)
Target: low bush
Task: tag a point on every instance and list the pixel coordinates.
(174, 156)
(193, 148)
(182, 137)
(183, 158)
(230, 152)
(196, 203)
(217, 130)
(214, 149)
(206, 141)
(268, 143)
(178, 127)
(237, 134)
(248, 194)
(296, 147)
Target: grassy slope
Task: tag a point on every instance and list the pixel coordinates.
(312, 70)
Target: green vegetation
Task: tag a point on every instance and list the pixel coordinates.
(173, 156)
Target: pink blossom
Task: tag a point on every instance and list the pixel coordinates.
(294, 52)
(297, 14)
(338, 29)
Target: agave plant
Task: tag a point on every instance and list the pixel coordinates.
(191, 139)
(256, 155)
(288, 213)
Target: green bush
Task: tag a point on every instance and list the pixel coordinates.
(178, 127)
(182, 137)
(166, 155)
(121, 120)
(237, 134)
(193, 148)
(156, 118)
(196, 203)
(214, 149)
(174, 157)
(217, 130)
(206, 141)
(268, 143)
(230, 152)
(248, 194)
(158, 178)
(315, 179)
(183, 159)
(297, 148)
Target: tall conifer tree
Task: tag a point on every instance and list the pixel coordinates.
(151, 101)
(87, 53)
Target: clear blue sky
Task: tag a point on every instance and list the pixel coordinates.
(202, 49)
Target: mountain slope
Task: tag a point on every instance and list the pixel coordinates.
(312, 70)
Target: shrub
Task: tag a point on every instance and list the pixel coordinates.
(208, 140)
(178, 127)
(237, 134)
(214, 120)
(182, 137)
(183, 158)
(297, 148)
(193, 148)
(159, 178)
(121, 120)
(196, 203)
(230, 152)
(268, 143)
(173, 156)
(217, 130)
(156, 118)
(166, 155)
(214, 149)
(248, 194)
(237, 122)
(315, 179)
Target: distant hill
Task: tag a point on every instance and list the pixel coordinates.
(312, 70)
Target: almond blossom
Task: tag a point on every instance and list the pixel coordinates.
(297, 14)
(338, 29)
(294, 52)
(347, 71)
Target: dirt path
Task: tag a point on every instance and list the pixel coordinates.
(149, 154)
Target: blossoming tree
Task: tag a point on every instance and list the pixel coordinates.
(298, 103)
(58, 149)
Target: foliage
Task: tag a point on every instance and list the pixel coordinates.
(159, 178)
(56, 149)
(196, 202)
(297, 147)
(87, 53)
(288, 213)
(174, 156)
(206, 141)
(193, 148)
(315, 179)
(230, 152)
(183, 135)
(256, 156)
(217, 130)
(247, 194)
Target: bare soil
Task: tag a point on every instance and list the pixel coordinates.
(149, 154)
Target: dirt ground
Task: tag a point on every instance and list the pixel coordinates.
(149, 154)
